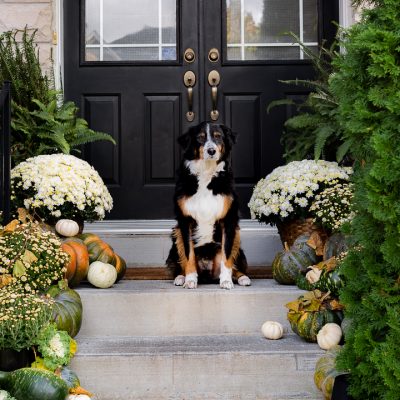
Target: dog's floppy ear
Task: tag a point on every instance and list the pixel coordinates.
(185, 139)
(232, 136)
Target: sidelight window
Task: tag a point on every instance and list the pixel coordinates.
(130, 30)
(257, 29)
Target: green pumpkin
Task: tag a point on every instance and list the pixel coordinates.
(335, 245)
(67, 310)
(289, 264)
(301, 244)
(310, 312)
(326, 372)
(101, 251)
(70, 378)
(311, 322)
(33, 384)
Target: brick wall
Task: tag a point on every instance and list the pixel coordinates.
(38, 14)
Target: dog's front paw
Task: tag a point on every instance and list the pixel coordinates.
(226, 285)
(244, 281)
(190, 281)
(179, 280)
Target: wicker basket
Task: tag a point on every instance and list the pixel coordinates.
(289, 231)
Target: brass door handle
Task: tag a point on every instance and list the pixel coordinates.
(214, 80)
(189, 79)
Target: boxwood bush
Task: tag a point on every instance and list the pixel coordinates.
(368, 86)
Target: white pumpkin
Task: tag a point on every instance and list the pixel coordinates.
(101, 275)
(78, 397)
(67, 227)
(272, 330)
(313, 275)
(329, 335)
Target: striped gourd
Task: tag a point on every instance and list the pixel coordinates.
(331, 281)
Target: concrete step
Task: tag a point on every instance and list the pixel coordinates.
(147, 242)
(198, 367)
(158, 308)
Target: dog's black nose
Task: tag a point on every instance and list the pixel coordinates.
(211, 152)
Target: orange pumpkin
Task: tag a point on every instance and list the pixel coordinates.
(78, 265)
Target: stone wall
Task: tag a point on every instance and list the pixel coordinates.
(38, 14)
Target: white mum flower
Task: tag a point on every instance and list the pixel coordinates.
(276, 193)
(58, 179)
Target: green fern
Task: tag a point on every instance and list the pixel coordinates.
(315, 132)
(52, 128)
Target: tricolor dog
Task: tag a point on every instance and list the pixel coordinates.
(206, 238)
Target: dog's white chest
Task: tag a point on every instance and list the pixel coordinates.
(204, 207)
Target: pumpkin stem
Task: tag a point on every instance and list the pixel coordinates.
(286, 246)
(80, 390)
(325, 296)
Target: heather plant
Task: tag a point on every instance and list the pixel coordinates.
(367, 82)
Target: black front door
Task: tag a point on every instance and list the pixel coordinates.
(126, 64)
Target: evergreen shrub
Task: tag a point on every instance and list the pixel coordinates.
(367, 82)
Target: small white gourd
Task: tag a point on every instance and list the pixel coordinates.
(67, 227)
(313, 275)
(78, 397)
(102, 275)
(272, 330)
(329, 335)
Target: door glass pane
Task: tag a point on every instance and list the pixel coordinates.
(130, 30)
(258, 29)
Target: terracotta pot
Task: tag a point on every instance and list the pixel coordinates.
(10, 359)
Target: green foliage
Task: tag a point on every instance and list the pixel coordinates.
(19, 63)
(315, 132)
(22, 316)
(41, 122)
(50, 128)
(367, 83)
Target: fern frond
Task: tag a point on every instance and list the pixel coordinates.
(321, 136)
(283, 102)
(93, 136)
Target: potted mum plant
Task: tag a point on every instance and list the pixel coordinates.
(60, 185)
(22, 316)
(283, 198)
(31, 260)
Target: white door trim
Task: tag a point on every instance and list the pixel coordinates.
(59, 49)
(346, 13)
